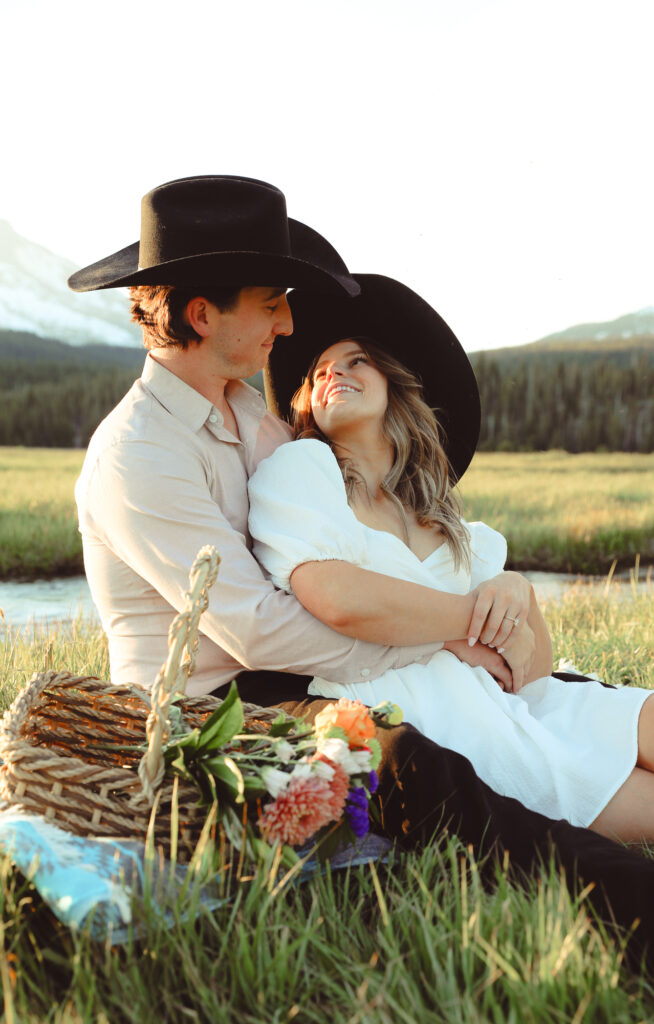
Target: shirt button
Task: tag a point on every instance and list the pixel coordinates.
(365, 672)
(213, 418)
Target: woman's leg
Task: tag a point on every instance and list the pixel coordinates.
(646, 736)
(629, 815)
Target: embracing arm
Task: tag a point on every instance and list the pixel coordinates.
(383, 609)
(378, 608)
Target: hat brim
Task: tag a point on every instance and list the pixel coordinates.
(401, 323)
(312, 263)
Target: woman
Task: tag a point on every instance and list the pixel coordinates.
(368, 483)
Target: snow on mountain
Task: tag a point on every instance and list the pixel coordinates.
(34, 297)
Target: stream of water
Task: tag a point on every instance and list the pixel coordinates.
(62, 600)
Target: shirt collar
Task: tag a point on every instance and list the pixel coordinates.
(188, 405)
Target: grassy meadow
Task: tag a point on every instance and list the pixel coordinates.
(566, 513)
(420, 939)
(417, 940)
(38, 518)
(559, 512)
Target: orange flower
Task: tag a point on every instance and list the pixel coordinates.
(349, 715)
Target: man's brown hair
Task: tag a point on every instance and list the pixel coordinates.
(159, 309)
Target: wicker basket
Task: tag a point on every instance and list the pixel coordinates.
(56, 743)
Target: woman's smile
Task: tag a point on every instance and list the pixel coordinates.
(339, 389)
(344, 370)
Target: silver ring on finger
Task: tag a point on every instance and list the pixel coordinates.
(516, 621)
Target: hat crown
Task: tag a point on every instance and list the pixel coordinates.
(399, 321)
(209, 214)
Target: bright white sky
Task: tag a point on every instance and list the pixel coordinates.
(495, 155)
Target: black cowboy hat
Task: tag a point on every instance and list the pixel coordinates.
(219, 230)
(403, 324)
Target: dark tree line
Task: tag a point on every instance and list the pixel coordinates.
(586, 399)
(577, 404)
(61, 413)
(53, 395)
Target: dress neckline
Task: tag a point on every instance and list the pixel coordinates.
(405, 547)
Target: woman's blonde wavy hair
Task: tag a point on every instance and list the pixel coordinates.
(420, 477)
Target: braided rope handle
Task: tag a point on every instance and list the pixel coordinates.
(179, 665)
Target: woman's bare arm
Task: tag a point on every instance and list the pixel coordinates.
(381, 609)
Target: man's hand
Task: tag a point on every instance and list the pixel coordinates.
(519, 653)
(500, 602)
(483, 657)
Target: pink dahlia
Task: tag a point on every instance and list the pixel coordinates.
(339, 785)
(297, 813)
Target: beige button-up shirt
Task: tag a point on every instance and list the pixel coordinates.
(161, 478)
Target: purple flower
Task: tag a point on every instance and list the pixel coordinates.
(373, 782)
(357, 811)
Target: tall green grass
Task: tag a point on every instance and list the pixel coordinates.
(566, 513)
(417, 940)
(559, 512)
(38, 518)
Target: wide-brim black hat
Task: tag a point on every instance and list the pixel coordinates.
(403, 324)
(220, 230)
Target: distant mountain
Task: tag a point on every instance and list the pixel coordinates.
(631, 330)
(35, 298)
(627, 335)
(38, 355)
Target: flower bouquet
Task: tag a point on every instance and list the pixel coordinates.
(292, 785)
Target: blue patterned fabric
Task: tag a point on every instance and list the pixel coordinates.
(91, 883)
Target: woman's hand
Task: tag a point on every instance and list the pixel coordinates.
(484, 657)
(501, 608)
(519, 653)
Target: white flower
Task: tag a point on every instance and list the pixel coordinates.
(362, 758)
(333, 748)
(351, 761)
(283, 750)
(303, 770)
(275, 781)
(323, 770)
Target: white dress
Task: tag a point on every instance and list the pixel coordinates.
(563, 749)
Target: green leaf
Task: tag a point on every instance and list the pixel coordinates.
(225, 722)
(177, 764)
(207, 784)
(335, 732)
(239, 776)
(254, 787)
(282, 726)
(188, 744)
(227, 772)
(375, 749)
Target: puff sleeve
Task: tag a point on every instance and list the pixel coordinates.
(299, 512)
(488, 553)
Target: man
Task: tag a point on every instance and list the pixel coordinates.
(167, 471)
